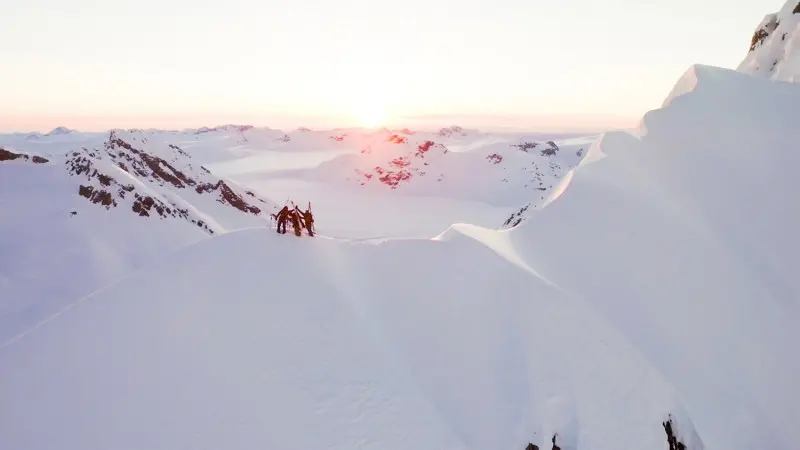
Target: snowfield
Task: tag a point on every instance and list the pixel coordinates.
(447, 303)
(404, 344)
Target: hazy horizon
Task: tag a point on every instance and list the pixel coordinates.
(485, 123)
(538, 65)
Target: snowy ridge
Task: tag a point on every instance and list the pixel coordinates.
(364, 366)
(775, 46)
(183, 186)
(687, 225)
(97, 207)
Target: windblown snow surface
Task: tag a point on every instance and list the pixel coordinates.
(655, 279)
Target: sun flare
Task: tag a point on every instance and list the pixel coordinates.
(370, 115)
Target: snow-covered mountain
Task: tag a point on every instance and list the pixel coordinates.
(59, 131)
(466, 290)
(496, 169)
(94, 207)
(775, 46)
(104, 204)
(653, 292)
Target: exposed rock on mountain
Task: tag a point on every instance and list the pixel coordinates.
(7, 155)
(153, 185)
(775, 46)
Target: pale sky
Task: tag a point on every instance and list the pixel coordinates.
(533, 64)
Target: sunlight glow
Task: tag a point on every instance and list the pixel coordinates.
(370, 115)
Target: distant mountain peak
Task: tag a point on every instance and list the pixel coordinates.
(59, 131)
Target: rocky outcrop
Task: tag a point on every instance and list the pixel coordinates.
(550, 150)
(7, 155)
(168, 169)
(97, 196)
(228, 197)
(396, 139)
(407, 164)
(532, 446)
(526, 146)
(495, 158)
(452, 130)
(146, 165)
(775, 46)
(672, 439)
(517, 217)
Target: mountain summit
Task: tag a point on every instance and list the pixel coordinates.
(775, 46)
(59, 131)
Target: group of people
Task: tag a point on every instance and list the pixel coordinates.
(299, 219)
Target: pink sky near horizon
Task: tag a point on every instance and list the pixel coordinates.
(538, 65)
(572, 123)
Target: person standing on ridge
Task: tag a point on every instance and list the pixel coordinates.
(308, 218)
(294, 216)
(281, 217)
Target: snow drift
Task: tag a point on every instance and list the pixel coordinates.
(684, 236)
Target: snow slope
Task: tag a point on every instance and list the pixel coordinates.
(405, 344)
(775, 46)
(684, 236)
(104, 204)
(96, 208)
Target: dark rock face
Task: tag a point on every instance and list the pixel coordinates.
(526, 146)
(672, 440)
(758, 38)
(147, 206)
(397, 139)
(555, 447)
(764, 32)
(146, 165)
(551, 149)
(495, 158)
(7, 155)
(100, 196)
(228, 196)
(424, 148)
(531, 446)
(104, 189)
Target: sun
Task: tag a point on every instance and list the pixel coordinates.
(370, 114)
